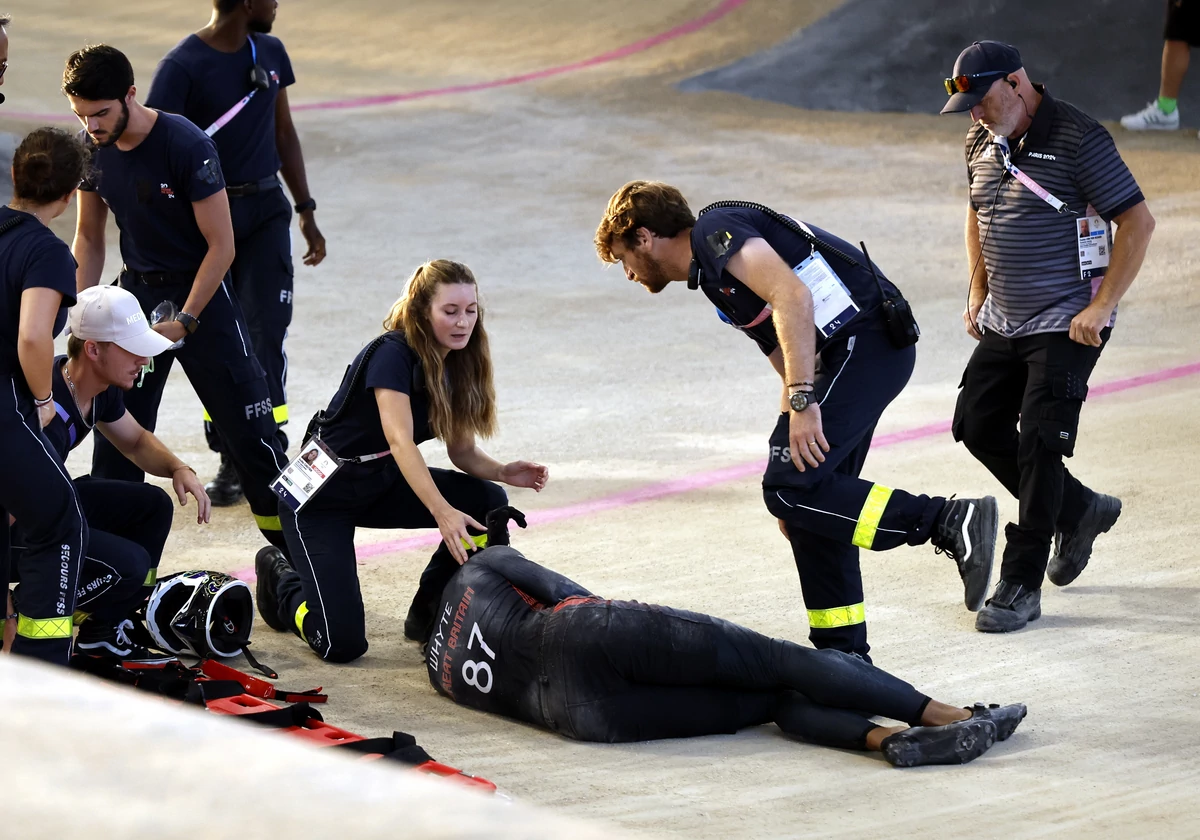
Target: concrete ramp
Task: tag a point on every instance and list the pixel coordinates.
(86, 759)
(891, 55)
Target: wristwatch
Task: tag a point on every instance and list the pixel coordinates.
(189, 322)
(800, 400)
(311, 204)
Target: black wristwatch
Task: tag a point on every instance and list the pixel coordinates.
(189, 323)
(800, 400)
(311, 204)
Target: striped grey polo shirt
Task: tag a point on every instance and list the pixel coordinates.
(1031, 252)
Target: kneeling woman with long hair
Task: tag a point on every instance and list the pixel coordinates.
(428, 376)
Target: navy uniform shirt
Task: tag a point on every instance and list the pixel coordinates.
(150, 190)
(721, 233)
(31, 256)
(68, 428)
(394, 366)
(484, 650)
(203, 83)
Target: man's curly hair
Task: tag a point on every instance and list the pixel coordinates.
(658, 207)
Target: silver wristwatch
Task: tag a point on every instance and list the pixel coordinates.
(800, 400)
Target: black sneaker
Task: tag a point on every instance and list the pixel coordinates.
(114, 643)
(225, 490)
(1011, 607)
(270, 565)
(954, 743)
(966, 530)
(1072, 551)
(1006, 718)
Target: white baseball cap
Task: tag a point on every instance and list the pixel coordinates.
(109, 313)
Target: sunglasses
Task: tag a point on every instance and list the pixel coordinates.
(962, 84)
(3, 68)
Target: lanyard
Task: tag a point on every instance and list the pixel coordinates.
(224, 119)
(1034, 187)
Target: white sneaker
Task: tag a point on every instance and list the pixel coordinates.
(1151, 118)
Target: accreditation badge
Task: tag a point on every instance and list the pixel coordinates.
(304, 476)
(1095, 244)
(833, 306)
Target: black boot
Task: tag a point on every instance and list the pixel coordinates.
(270, 565)
(1073, 550)
(225, 490)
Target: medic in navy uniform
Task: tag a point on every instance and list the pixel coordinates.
(128, 521)
(162, 180)
(37, 284)
(429, 375)
(231, 79)
(818, 309)
(516, 639)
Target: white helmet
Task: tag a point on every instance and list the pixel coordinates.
(204, 614)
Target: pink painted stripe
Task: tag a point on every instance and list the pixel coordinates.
(687, 28)
(701, 481)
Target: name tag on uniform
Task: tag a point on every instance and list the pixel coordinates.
(833, 306)
(1095, 244)
(303, 477)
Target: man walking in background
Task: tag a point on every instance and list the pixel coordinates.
(1045, 184)
(231, 80)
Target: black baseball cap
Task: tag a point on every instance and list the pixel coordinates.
(977, 69)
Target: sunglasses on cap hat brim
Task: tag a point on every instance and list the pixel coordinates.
(974, 82)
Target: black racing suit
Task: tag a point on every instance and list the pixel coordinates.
(519, 640)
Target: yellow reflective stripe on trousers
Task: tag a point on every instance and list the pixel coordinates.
(280, 413)
(267, 523)
(837, 617)
(44, 628)
(151, 578)
(872, 512)
(476, 542)
(79, 617)
(301, 614)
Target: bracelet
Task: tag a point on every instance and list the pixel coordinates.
(798, 384)
(182, 467)
(47, 401)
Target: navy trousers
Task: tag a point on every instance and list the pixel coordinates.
(220, 363)
(321, 600)
(261, 278)
(37, 491)
(830, 512)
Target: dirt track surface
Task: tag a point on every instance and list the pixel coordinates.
(615, 390)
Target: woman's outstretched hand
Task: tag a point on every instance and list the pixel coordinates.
(525, 474)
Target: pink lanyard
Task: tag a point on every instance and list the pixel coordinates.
(1034, 187)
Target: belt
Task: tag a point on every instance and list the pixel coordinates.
(253, 188)
(160, 278)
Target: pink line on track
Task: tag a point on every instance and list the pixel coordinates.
(686, 28)
(701, 481)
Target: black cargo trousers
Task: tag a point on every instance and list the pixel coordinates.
(1018, 414)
